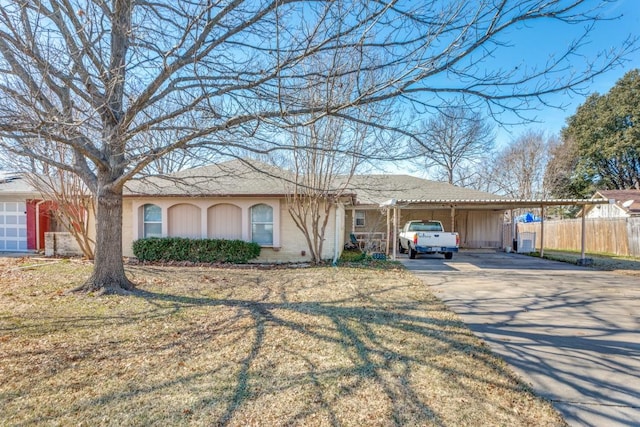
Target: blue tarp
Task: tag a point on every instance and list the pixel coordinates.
(528, 217)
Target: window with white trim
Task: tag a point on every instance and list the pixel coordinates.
(360, 216)
(262, 224)
(152, 221)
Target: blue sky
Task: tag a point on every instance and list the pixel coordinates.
(546, 37)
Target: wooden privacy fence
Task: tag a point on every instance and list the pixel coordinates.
(619, 236)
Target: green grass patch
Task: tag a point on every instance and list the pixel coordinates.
(615, 263)
(359, 259)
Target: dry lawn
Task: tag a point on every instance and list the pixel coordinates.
(242, 347)
(627, 266)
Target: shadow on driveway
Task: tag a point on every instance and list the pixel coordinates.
(573, 333)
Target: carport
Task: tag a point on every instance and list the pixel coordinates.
(395, 206)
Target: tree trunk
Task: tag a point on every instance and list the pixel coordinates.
(108, 270)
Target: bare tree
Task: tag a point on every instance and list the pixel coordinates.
(328, 149)
(73, 208)
(563, 168)
(105, 77)
(323, 168)
(316, 187)
(518, 169)
(453, 141)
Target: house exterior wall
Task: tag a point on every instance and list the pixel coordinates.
(39, 221)
(128, 228)
(185, 221)
(289, 244)
(444, 216)
(224, 222)
(35, 218)
(375, 220)
(606, 211)
(480, 229)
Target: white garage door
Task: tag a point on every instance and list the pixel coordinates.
(13, 226)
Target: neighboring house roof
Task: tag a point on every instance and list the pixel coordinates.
(12, 183)
(377, 189)
(627, 200)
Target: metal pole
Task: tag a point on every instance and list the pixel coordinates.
(395, 232)
(353, 220)
(513, 232)
(542, 231)
(584, 236)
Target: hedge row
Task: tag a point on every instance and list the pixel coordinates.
(195, 250)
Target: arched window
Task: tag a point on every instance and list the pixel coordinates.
(262, 224)
(152, 221)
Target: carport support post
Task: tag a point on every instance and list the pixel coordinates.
(513, 231)
(583, 260)
(542, 231)
(387, 246)
(584, 236)
(395, 232)
(453, 219)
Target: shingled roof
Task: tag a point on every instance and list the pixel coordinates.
(232, 178)
(12, 183)
(251, 178)
(376, 189)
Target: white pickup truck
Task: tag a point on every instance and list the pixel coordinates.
(428, 237)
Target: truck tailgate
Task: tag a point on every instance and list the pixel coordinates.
(437, 239)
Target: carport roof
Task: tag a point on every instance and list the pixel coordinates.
(409, 192)
(495, 204)
(376, 189)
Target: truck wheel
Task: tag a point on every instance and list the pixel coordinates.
(448, 255)
(400, 248)
(412, 253)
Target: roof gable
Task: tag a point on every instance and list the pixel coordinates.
(627, 200)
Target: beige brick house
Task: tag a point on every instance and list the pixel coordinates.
(248, 201)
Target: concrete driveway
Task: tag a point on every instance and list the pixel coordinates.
(572, 333)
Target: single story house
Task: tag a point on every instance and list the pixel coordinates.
(623, 204)
(230, 200)
(249, 201)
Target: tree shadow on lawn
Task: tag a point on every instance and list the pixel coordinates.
(372, 357)
(377, 362)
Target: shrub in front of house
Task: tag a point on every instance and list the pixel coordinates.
(195, 250)
(352, 256)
